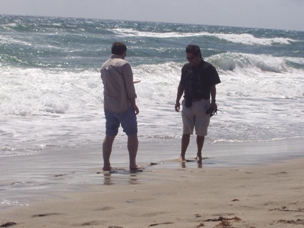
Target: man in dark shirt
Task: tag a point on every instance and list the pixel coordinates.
(197, 83)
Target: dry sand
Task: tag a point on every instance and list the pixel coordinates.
(255, 196)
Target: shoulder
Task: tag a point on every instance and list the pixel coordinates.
(186, 67)
(206, 65)
(120, 60)
(121, 63)
(211, 71)
(125, 64)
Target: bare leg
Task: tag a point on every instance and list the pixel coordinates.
(107, 149)
(185, 143)
(132, 147)
(200, 142)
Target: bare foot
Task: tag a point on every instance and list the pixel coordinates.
(137, 168)
(199, 159)
(181, 159)
(107, 168)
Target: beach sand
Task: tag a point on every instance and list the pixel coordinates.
(269, 195)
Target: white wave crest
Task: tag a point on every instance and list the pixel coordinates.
(249, 63)
(243, 38)
(252, 40)
(133, 32)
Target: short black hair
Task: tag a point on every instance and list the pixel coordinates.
(118, 48)
(194, 49)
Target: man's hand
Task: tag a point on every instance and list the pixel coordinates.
(213, 106)
(177, 106)
(136, 110)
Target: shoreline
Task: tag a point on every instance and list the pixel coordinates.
(248, 196)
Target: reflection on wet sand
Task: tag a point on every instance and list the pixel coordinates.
(184, 165)
(110, 180)
(118, 175)
(107, 178)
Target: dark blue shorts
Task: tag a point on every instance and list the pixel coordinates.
(127, 120)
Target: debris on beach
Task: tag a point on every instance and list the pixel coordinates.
(224, 222)
(294, 222)
(162, 223)
(222, 219)
(200, 225)
(8, 224)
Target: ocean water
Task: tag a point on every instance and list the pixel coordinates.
(51, 91)
(51, 94)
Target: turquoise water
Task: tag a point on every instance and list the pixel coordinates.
(81, 44)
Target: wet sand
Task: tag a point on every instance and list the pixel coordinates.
(255, 196)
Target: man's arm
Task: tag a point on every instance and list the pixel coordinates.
(129, 84)
(180, 91)
(133, 103)
(128, 80)
(213, 95)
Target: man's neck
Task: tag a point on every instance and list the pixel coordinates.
(197, 64)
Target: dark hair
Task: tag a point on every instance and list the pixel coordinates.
(118, 48)
(194, 49)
